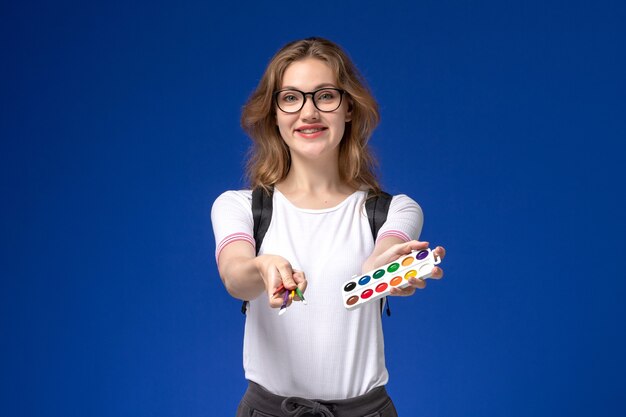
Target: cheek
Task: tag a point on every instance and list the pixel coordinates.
(283, 134)
(284, 131)
(340, 127)
(285, 120)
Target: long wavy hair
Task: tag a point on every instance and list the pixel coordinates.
(269, 158)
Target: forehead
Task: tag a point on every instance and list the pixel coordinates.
(308, 74)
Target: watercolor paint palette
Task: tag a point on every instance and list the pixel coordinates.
(363, 289)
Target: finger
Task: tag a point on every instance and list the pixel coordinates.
(437, 273)
(286, 276)
(275, 292)
(277, 300)
(417, 245)
(404, 248)
(440, 251)
(418, 283)
(396, 251)
(402, 292)
(274, 281)
(414, 284)
(280, 288)
(300, 279)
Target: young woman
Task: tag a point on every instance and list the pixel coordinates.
(310, 119)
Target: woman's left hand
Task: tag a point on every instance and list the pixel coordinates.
(398, 250)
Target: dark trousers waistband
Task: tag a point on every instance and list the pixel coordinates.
(258, 398)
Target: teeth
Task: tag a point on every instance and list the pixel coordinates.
(310, 130)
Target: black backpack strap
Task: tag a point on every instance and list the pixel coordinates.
(261, 213)
(262, 217)
(377, 207)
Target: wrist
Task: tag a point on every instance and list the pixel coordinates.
(258, 263)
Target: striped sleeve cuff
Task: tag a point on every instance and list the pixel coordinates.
(395, 233)
(230, 239)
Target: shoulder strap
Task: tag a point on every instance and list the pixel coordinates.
(261, 213)
(262, 217)
(377, 206)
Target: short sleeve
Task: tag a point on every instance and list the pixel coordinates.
(231, 217)
(404, 219)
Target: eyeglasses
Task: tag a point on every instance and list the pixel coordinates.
(325, 99)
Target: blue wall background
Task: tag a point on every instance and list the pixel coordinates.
(119, 128)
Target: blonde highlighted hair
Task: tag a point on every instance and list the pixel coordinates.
(269, 158)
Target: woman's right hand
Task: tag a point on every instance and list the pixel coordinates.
(276, 271)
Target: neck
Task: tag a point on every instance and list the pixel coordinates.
(314, 175)
(311, 184)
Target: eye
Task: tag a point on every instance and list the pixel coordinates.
(327, 95)
(289, 97)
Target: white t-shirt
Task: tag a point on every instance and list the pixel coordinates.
(319, 350)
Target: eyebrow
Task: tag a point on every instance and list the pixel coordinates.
(289, 87)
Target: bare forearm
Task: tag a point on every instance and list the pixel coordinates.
(368, 265)
(246, 276)
(241, 278)
(375, 260)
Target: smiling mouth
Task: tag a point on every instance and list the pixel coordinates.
(309, 131)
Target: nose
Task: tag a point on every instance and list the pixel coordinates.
(309, 111)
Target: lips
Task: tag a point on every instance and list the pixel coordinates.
(310, 129)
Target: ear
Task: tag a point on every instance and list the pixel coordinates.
(349, 111)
